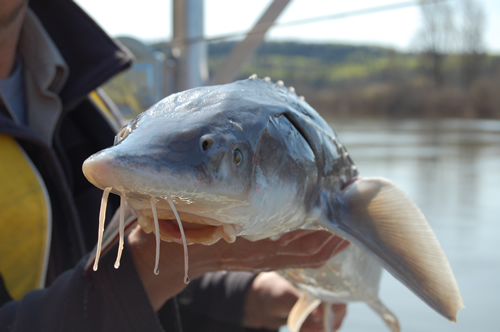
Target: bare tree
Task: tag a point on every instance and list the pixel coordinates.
(472, 22)
(436, 37)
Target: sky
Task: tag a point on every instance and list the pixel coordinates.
(150, 20)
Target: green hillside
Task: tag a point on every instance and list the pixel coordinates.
(353, 81)
(350, 80)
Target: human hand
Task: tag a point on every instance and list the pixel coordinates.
(270, 299)
(314, 323)
(297, 249)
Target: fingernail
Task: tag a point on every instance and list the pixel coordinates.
(286, 239)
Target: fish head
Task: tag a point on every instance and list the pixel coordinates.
(226, 155)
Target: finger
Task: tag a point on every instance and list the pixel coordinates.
(274, 288)
(293, 261)
(340, 246)
(317, 327)
(243, 252)
(316, 243)
(339, 313)
(269, 301)
(314, 321)
(289, 237)
(308, 244)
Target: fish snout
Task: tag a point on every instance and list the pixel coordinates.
(98, 170)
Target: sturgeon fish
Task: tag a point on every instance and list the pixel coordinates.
(252, 159)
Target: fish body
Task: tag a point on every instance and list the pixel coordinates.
(252, 159)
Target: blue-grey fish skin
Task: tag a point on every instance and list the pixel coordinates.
(190, 140)
(252, 103)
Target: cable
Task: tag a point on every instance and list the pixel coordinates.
(357, 12)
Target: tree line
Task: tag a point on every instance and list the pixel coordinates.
(447, 73)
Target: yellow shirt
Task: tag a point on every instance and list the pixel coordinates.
(25, 207)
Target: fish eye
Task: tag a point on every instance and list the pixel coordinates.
(237, 157)
(122, 134)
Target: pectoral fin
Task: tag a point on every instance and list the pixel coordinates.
(378, 216)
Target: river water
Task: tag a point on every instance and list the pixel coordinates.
(451, 169)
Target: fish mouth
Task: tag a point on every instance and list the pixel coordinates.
(197, 229)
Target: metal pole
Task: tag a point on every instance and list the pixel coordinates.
(191, 67)
(245, 49)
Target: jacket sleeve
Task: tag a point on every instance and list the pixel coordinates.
(215, 302)
(105, 300)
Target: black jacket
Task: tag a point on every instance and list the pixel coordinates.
(108, 299)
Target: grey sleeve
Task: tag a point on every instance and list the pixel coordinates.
(105, 300)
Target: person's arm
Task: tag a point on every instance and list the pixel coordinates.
(297, 249)
(111, 299)
(244, 301)
(105, 300)
(270, 299)
(215, 302)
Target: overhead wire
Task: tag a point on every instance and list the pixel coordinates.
(262, 27)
